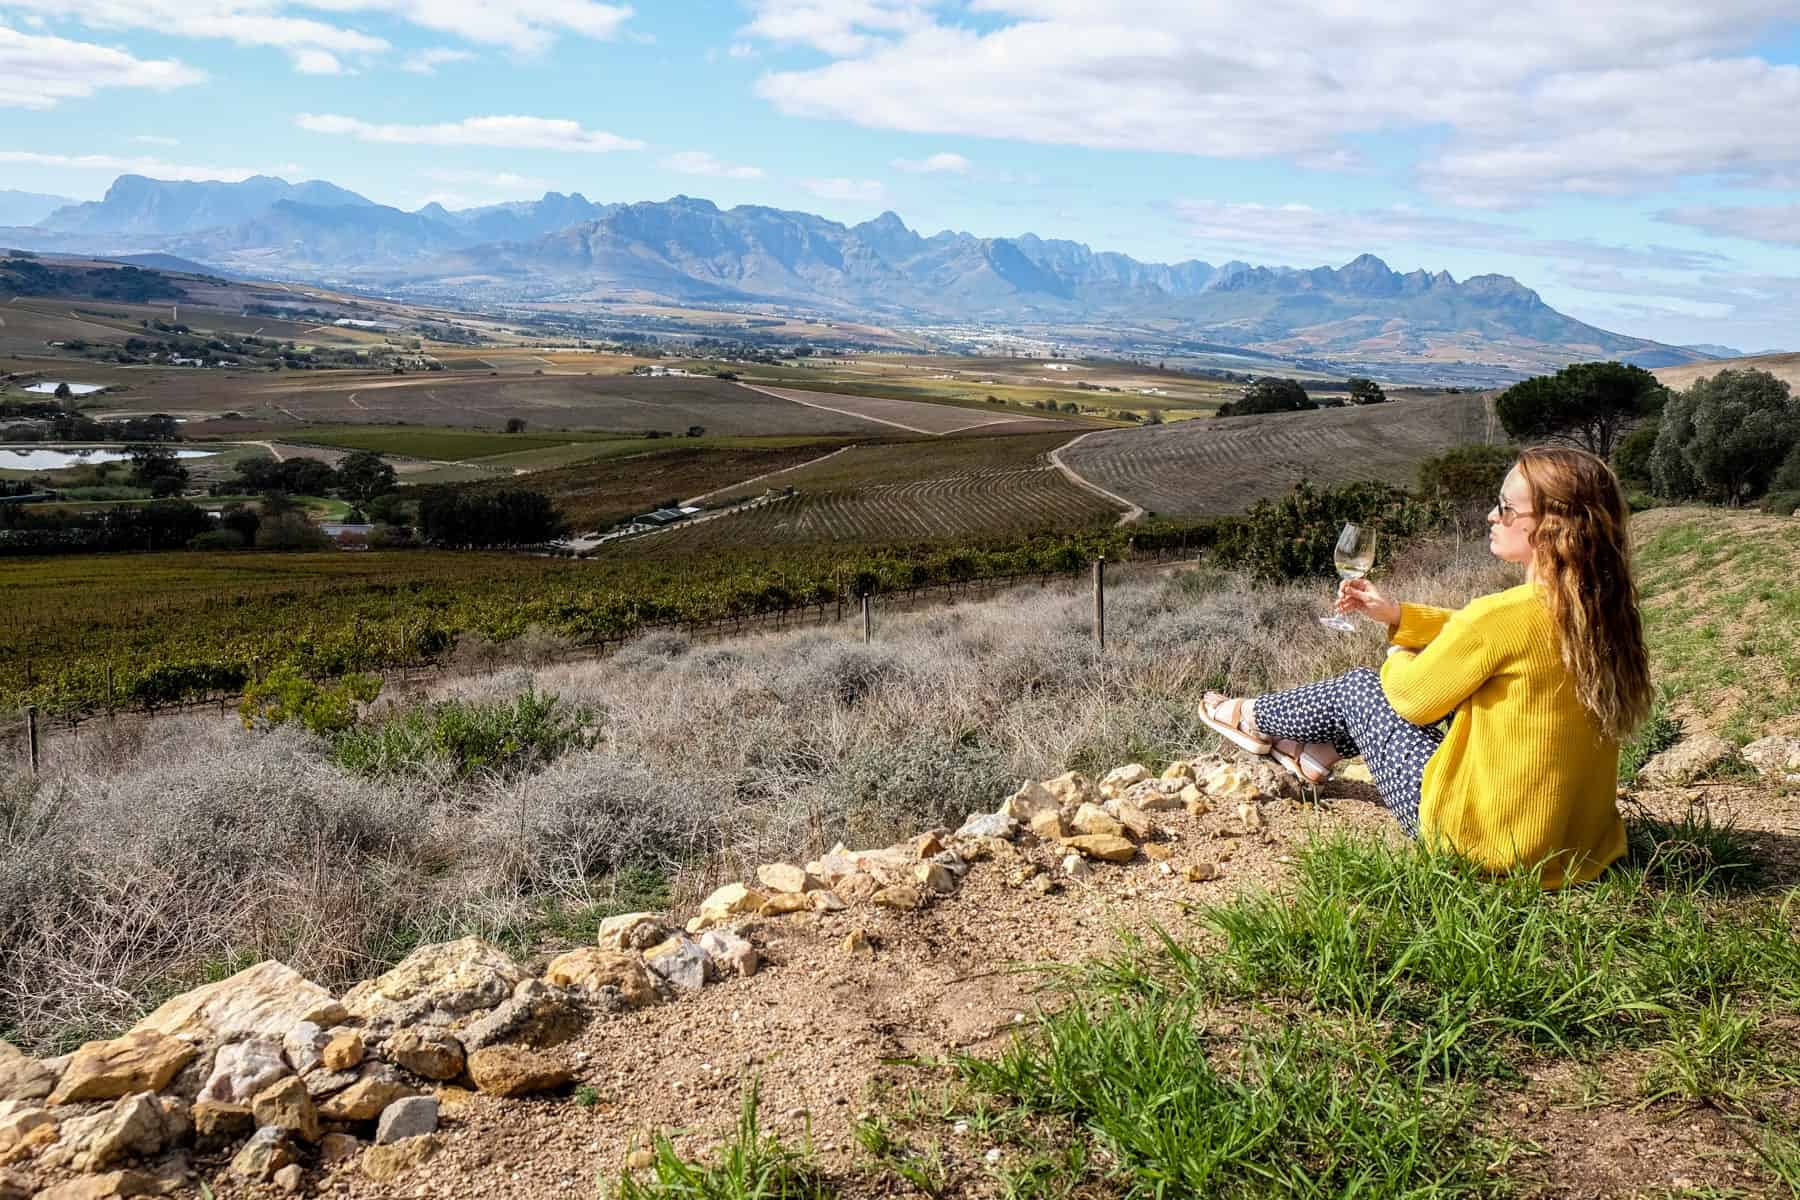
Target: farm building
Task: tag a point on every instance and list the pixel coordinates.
(347, 536)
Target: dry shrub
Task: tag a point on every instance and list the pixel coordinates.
(145, 861)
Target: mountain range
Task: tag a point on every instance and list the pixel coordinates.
(566, 248)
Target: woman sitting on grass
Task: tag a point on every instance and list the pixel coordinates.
(1543, 680)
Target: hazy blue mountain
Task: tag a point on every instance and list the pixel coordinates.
(137, 205)
(1710, 350)
(687, 249)
(28, 208)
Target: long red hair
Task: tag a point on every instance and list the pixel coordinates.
(1581, 551)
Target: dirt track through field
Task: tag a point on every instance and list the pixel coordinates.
(914, 416)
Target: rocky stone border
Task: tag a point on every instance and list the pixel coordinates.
(275, 1077)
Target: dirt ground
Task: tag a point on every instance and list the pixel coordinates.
(823, 1030)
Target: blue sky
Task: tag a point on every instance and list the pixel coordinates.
(1638, 164)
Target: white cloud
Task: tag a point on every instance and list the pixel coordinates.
(1290, 229)
(38, 72)
(1775, 224)
(936, 164)
(426, 62)
(741, 50)
(838, 27)
(699, 162)
(317, 62)
(525, 26)
(151, 139)
(154, 167)
(863, 191)
(509, 132)
(1507, 102)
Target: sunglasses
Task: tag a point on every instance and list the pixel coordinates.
(1508, 514)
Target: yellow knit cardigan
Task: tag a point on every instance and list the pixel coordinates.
(1523, 776)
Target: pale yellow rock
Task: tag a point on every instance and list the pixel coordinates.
(729, 901)
(104, 1187)
(825, 900)
(858, 942)
(902, 897)
(264, 1001)
(364, 1099)
(1072, 789)
(1354, 771)
(1029, 800)
(935, 878)
(590, 969)
(857, 887)
(1250, 816)
(427, 1053)
(1156, 795)
(633, 931)
(1200, 872)
(25, 1078)
(1230, 783)
(640, 1160)
(217, 1123)
(782, 903)
(1195, 800)
(926, 845)
(268, 1150)
(515, 1071)
(1092, 820)
(23, 1132)
(343, 1052)
(1157, 851)
(1047, 823)
(784, 877)
(286, 1104)
(442, 980)
(1136, 822)
(384, 1164)
(138, 1062)
(1114, 783)
(1179, 770)
(1104, 847)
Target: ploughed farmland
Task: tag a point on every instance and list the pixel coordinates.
(1224, 465)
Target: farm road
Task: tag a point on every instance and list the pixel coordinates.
(1132, 511)
(914, 416)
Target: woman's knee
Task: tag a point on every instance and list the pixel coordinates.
(1361, 679)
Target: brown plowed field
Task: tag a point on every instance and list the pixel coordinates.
(1224, 465)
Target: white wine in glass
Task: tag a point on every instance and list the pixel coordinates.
(1354, 555)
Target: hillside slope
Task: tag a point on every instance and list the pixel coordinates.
(1221, 465)
(1782, 366)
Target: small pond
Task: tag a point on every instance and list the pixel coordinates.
(17, 458)
(75, 389)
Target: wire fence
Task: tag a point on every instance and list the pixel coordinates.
(26, 734)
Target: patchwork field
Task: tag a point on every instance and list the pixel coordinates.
(1203, 468)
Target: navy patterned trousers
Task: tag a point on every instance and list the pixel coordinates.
(1351, 713)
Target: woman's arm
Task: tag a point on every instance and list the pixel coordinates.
(1418, 625)
(1426, 687)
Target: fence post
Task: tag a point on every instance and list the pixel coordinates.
(868, 618)
(1100, 603)
(109, 691)
(31, 736)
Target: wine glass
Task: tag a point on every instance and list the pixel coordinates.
(1354, 554)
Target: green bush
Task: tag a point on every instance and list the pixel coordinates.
(285, 695)
(1293, 538)
(217, 539)
(1782, 504)
(467, 737)
(1631, 458)
(1467, 479)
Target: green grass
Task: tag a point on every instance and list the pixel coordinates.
(751, 1165)
(1351, 1036)
(1722, 617)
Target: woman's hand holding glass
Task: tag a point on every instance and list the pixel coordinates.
(1361, 596)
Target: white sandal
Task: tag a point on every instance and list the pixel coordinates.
(1214, 718)
(1298, 765)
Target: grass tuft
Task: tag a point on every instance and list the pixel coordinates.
(749, 1166)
